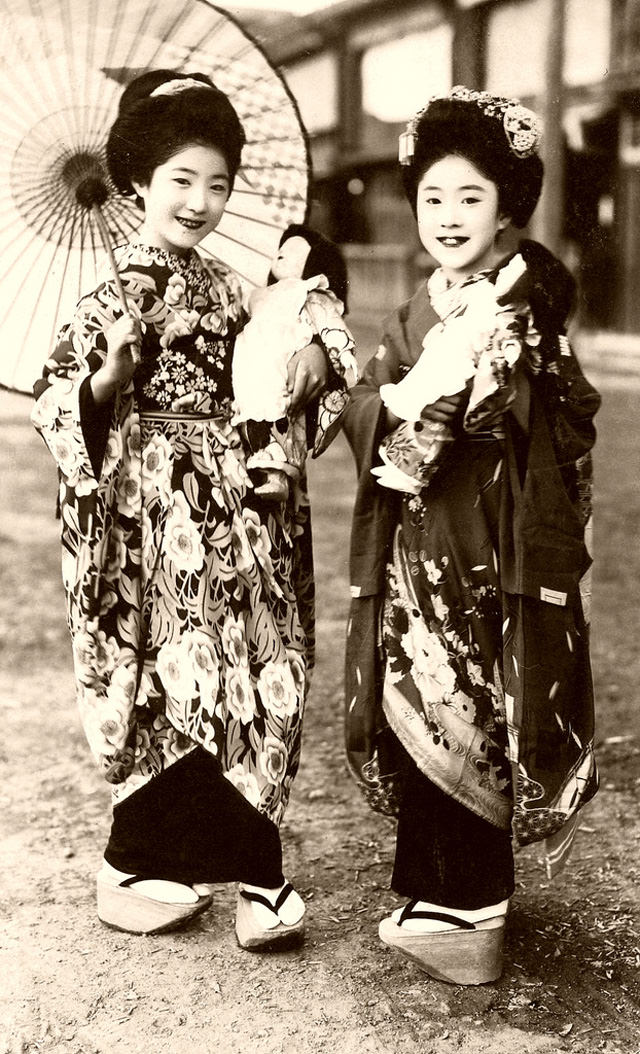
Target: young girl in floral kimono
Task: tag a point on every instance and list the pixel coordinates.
(306, 295)
(189, 603)
(469, 695)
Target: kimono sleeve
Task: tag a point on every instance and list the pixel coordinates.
(326, 316)
(70, 423)
(375, 512)
(406, 458)
(324, 313)
(572, 403)
(364, 418)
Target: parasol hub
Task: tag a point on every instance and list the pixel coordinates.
(84, 176)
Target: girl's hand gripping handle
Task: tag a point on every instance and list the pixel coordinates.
(124, 338)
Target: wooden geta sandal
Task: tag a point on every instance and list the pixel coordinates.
(122, 907)
(251, 935)
(469, 954)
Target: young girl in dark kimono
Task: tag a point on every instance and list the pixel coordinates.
(469, 697)
(189, 602)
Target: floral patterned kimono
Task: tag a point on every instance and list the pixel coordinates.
(467, 638)
(190, 606)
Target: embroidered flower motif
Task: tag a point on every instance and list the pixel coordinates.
(214, 321)
(181, 542)
(157, 461)
(258, 536)
(116, 557)
(440, 609)
(106, 651)
(174, 743)
(176, 672)
(239, 695)
(129, 494)
(206, 668)
(175, 291)
(234, 643)
(298, 671)
(434, 677)
(177, 372)
(180, 327)
(122, 690)
(143, 743)
(114, 731)
(434, 574)
(112, 453)
(277, 689)
(67, 452)
(83, 656)
(245, 782)
(273, 760)
(133, 439)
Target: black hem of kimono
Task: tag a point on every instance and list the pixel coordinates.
(446, 854)
(190, 824)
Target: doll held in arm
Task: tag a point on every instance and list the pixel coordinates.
(473, 358)
(303, 302)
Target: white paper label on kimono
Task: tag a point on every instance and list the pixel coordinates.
(553, 596)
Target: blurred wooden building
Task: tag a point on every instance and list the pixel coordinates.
(360, 68)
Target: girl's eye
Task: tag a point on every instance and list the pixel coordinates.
(470, 201)
(182, 182)
(432, 201)
(219, 188)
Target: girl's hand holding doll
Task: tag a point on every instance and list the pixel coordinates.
(307, 374)
(123, 355)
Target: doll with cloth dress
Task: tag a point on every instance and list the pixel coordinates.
(484, 325)
(305, 298)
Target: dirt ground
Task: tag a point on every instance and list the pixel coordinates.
(68, 984)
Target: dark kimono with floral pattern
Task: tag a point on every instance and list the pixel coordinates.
(467, 638)
(190, 605)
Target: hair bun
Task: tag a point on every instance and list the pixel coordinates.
(468, 126)
(153, 124)
(148, 84)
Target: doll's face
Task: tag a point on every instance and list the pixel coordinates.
(459, 218)
(291, 258)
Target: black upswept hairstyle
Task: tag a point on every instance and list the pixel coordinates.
(324, 258)
(149, 129)
(457, 126)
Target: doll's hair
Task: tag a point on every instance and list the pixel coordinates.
(150, 128)
(460, 127)
(324, 258)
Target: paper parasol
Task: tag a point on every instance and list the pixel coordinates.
(64, 65)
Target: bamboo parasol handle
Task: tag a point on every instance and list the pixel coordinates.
(106, 241)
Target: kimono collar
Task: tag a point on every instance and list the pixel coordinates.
(447, 298)
(451, 298)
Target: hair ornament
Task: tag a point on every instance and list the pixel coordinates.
(522, 127)
(174, 87)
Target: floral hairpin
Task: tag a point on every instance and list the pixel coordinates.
(522, 127)
(179, 84)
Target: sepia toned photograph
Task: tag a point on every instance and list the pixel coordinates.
(320, 529)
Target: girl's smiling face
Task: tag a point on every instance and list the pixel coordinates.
(185, 198)
(459, 217)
